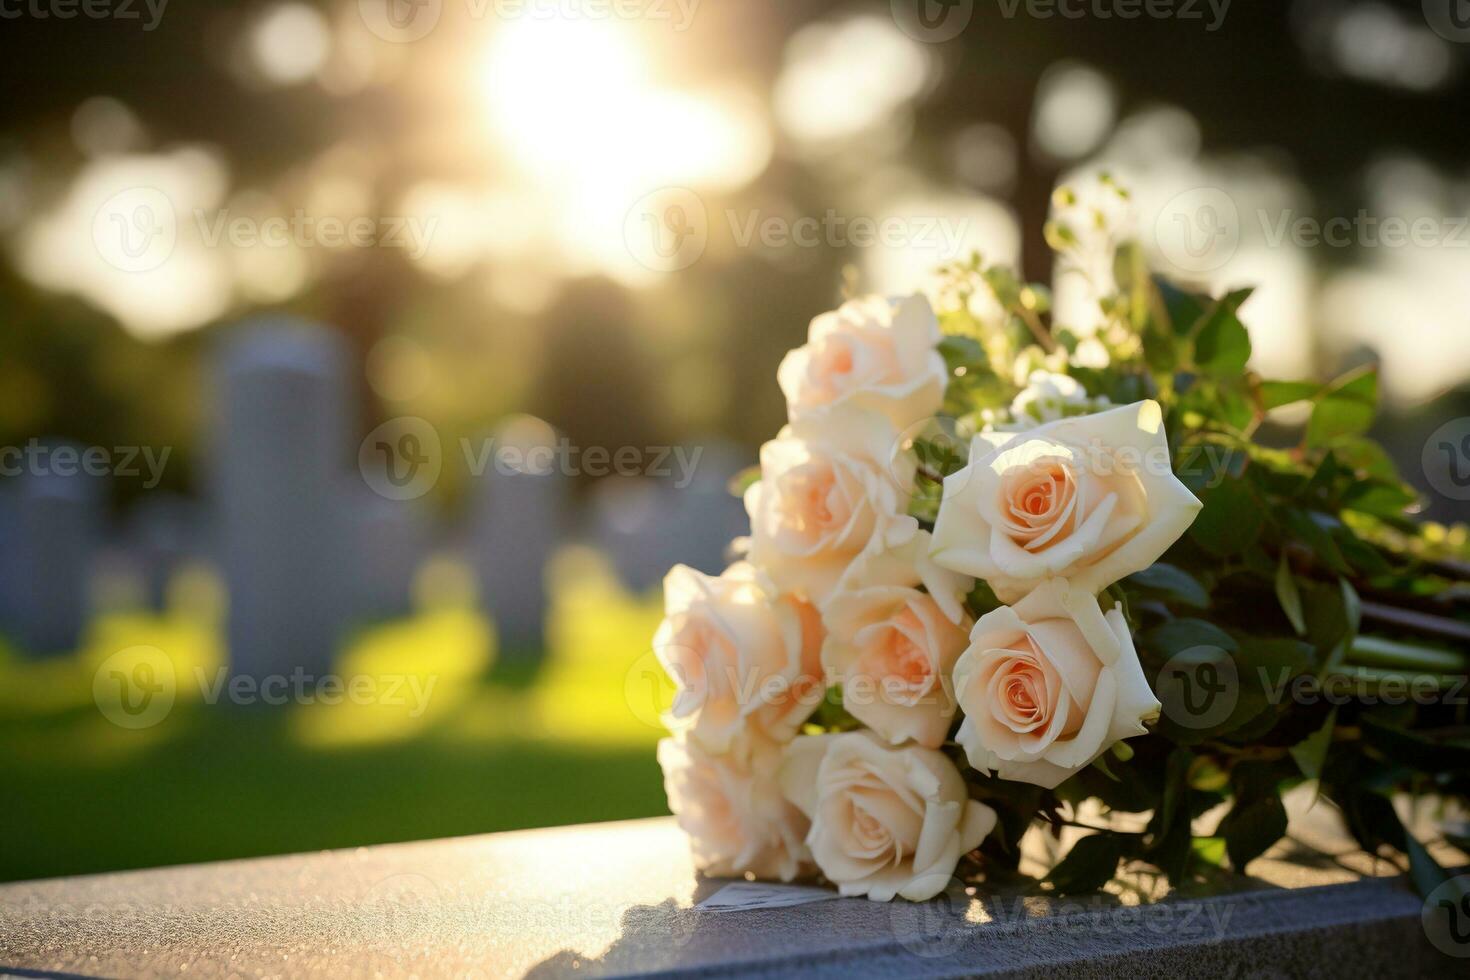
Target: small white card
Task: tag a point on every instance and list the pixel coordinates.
(741, 896)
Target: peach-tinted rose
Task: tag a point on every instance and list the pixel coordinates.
(742, 656)
(732, 809)
(1091, 499)
(892, 646)
(885, 822)
(825, 500)
(872, 353)
(1048, 685)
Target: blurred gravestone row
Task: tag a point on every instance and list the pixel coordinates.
(307, 550)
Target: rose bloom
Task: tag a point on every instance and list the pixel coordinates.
(823, 502)
(1090, 499)
(872, 353)
(1048, 685)
(731, 808)
(885, 821)
(892, 647)
(741, 655)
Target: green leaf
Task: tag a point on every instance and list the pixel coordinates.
(1221, 344)
(1289, 597)
(1314, 530)
(1185, 633)
(1210, 850)
(1231, 520)
(1251, 829)
(1172, 584)
(1090, 864)
(1424, 871)
(1184, 308)
(1381, 499)
(1176, 776)
(832, 714)
(959, 351)
(744, 480)
(1413, 749)
(1274, 394)
(1311, 752)
(1346, 408)
(1274, 652)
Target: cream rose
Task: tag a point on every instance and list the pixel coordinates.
(1048, 685)
(892, 647)
(732, 810)
(1091, 499)
(885, 821)
(873, 353)
(826, 500)
(742, 656)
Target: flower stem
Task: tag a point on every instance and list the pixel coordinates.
(1374, 651)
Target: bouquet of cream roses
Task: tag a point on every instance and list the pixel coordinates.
(995, 542)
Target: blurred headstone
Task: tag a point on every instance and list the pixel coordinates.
(707, 517)
(281, 445)
(386, 542)
(162, 533)
(646, 526)
(52, 524)
(517, 519)
(630, 524)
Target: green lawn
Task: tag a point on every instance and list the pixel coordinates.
(503, 746)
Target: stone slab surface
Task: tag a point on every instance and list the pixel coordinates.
(614, 900)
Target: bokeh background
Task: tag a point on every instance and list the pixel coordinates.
(590, 224)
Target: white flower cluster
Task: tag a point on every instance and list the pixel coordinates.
(842, 587)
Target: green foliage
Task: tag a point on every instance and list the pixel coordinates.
(1264, 589)
(1088, 866)
(1250, 828)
